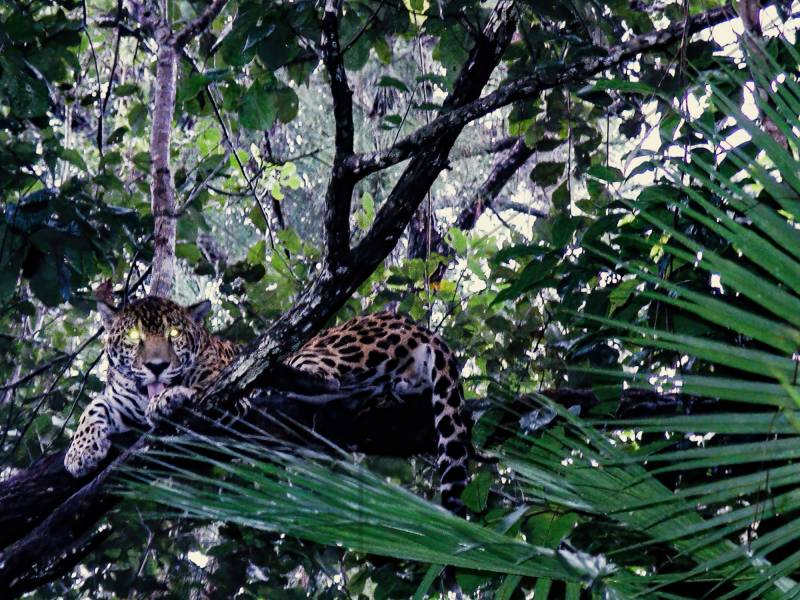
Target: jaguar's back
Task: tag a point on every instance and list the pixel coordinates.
(385, 354)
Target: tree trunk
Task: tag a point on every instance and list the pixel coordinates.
(162, 277)
(750, 13)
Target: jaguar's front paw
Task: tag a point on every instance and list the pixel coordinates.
(85, 453)
(166, 403)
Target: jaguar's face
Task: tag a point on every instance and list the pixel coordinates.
(154, 341)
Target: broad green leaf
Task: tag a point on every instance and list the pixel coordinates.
(609, 174)
(73, 157)
(258, 110)
(547, 173)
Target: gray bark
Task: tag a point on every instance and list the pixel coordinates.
(161, 186)
(162, 189)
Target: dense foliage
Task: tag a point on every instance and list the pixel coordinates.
(664, 257)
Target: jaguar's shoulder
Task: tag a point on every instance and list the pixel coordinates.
(224, 349)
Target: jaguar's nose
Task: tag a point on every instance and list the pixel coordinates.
(157, 367)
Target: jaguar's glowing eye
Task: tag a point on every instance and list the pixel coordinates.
(134, 335)
(173, 332)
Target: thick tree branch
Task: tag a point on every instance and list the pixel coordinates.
(340, 90)
(750, 13)
(44, 552)
(47, 518)
(526, 87)
(503, 169)
(198, 25)
(340, 186)
(331, 289)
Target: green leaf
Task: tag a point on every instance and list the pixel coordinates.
(234, 47)
(278, 48)
(258, 34)
(476, 494)
(594, 96)
(257, 218)
(668, 126)
(256, 253)
(51, 281)
(383, 50)
(73, 157)
(188, 252)
(389, 81)
(547, 173)
(28, 97)
(458, 241)
(619, 296)
(286, 104)
(9, 274)
(141, 161)
(290, 240)
(117, 135)
(209, 140)
(137, 117)
(366, 216)
(126, 89)
(110, 159)
(609, 174)
(258, 110)
(276, 191)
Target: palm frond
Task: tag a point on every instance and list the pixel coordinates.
(656, 504)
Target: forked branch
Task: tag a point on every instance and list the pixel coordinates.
(331, 289)
(528, 87)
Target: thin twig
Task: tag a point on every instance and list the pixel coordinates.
(84, 381)
(85, 30)
(363, 29)
(363, 164)
(198, 25)
(35, 412)
(114, 64)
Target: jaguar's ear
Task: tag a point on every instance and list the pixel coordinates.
(199, 310)
(108, 312)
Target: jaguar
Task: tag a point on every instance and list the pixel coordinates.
(161, 356)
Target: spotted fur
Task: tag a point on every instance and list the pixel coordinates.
(387, 355)
(382, 355)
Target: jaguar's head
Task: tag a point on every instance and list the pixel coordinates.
(153, 341)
